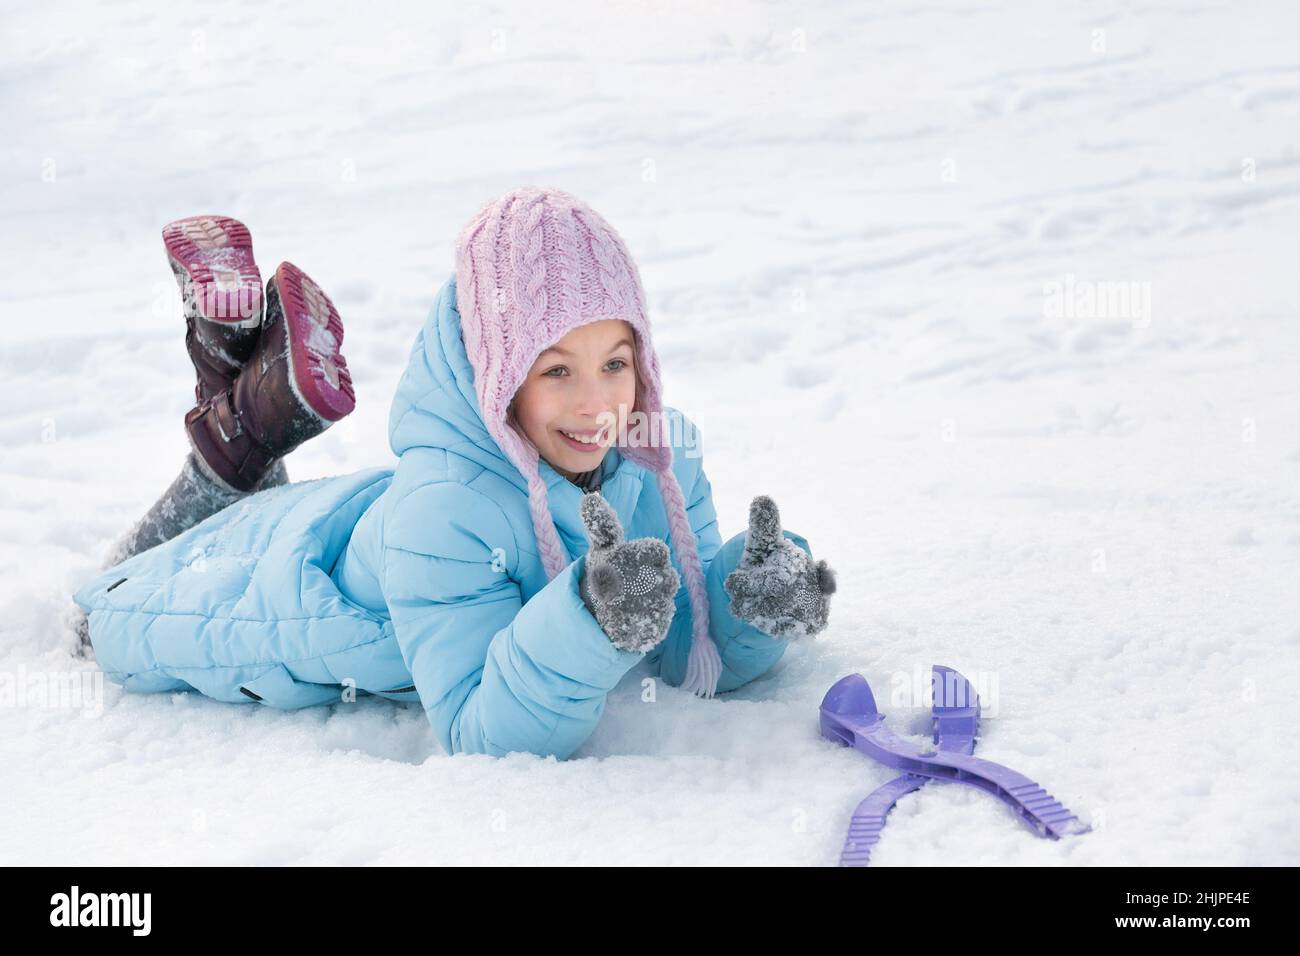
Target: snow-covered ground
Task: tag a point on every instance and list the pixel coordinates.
(884, 248)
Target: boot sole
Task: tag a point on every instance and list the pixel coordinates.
(314, 331)
(215, 255)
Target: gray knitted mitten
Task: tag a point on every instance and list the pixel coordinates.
(629, 586)
(777, 587)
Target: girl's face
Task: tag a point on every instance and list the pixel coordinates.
(585, 384)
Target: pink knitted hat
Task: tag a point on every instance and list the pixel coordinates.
(531, 266)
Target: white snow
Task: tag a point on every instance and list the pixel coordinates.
(999, 303)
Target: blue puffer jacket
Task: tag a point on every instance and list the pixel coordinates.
(416, 583)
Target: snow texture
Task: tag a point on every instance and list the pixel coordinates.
(875, 241)
(629, 586)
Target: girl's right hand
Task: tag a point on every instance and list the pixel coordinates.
(629, 586)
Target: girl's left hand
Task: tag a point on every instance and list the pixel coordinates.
(777, 587)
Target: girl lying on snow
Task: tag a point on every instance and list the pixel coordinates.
(515, 564)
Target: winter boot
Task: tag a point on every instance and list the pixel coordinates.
(294, 386)
(212, 259)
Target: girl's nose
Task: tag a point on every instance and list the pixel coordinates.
(591, 399)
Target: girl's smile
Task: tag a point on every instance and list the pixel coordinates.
(593, 441)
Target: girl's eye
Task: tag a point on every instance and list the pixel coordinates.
(618, 366)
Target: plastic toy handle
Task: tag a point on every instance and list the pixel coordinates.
(955, 713)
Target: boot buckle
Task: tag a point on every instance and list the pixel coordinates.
(228, 423)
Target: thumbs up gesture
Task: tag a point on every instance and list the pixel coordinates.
(629, 586)
(777, 587)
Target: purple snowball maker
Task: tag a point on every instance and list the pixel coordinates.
(849, 717)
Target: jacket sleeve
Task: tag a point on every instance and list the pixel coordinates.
(746, 651)
(495, 675)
